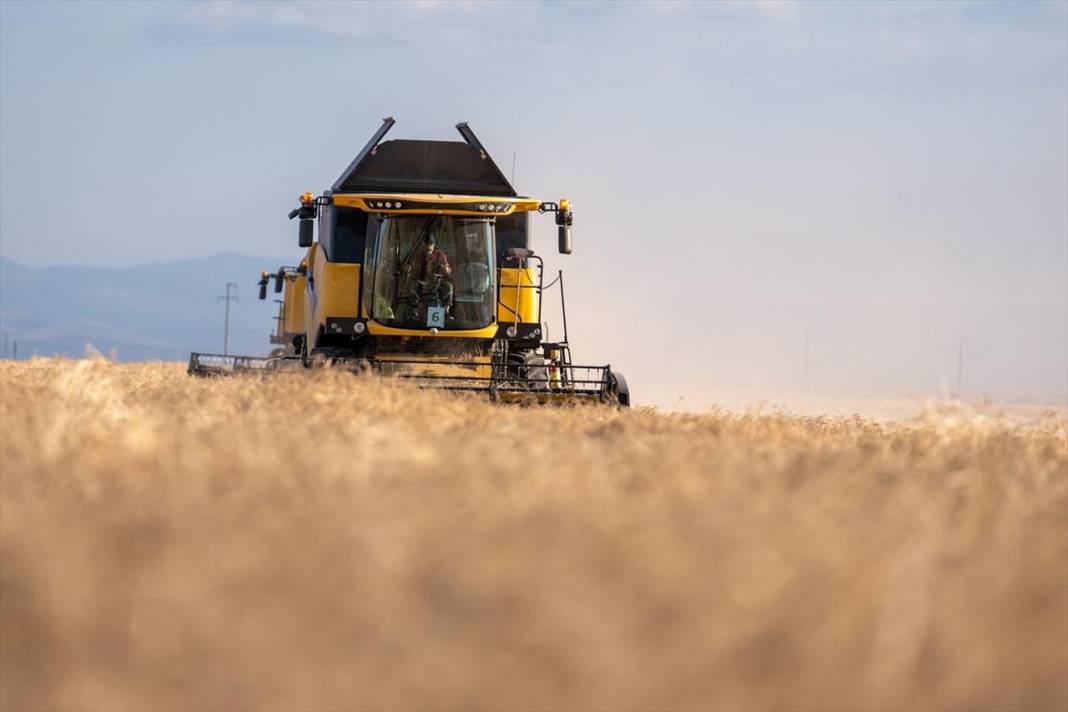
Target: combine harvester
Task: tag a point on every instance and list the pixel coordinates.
(423, 270)
(288, 335)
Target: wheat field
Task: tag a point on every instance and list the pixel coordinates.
(325, 542)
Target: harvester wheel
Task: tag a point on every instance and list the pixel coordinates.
(619, 389)
(317, 359)
(535, 372)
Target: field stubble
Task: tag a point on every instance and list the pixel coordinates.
(325, 542)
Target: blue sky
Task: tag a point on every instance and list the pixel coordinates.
(890, 176)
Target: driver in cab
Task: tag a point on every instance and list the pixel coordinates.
(433, 272)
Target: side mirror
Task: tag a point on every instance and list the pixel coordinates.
(565, 239)
(279, 281)
(306, 236)
(564, 216)
(263, 289)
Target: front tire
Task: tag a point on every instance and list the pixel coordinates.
(619, 388)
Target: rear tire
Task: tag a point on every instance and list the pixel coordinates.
(620, 389)
(319, 358)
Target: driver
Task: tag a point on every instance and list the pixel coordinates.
(433, 273)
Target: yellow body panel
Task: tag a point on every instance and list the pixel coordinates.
(521, 300)
(376, 329)
(292, 322)
(310, 330)
(331, 291)
(368, 202)
(336, 287)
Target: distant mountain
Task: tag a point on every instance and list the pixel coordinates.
(152, 311)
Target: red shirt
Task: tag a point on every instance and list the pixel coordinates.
(434, 263)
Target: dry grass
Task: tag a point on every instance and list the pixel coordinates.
(331, 543)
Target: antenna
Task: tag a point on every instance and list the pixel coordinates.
(226, 323)
(515, 153)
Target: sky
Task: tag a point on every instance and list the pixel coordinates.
(882, 181)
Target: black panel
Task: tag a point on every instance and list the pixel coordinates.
(512, 231)
(350, 234)
(405, 166)
(326, 228)
(342, 233)
(524, 333)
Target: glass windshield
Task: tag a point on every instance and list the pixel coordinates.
(434, 271)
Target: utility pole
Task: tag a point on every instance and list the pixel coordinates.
(960, 369)
(808, 338)
(226, 324)
(5, 346)
(15, 354)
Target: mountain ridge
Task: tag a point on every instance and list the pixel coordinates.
(157, 310)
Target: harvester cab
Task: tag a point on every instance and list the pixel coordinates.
(423, 270)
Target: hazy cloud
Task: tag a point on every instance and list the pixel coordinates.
(356, 21)
(891, 175)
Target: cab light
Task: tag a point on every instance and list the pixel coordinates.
(307, 198)
(565, 204)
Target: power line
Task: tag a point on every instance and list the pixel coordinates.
(226, 323)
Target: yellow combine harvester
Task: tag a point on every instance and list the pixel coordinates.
(291, 283)
(423, 270)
